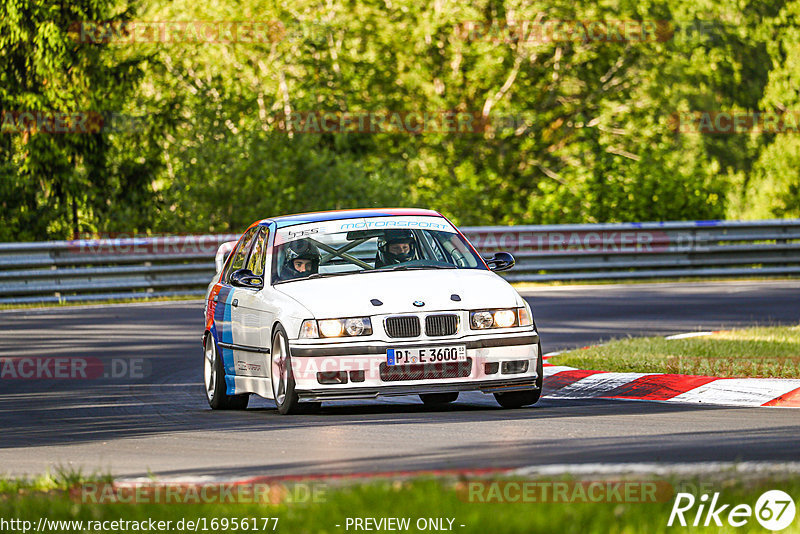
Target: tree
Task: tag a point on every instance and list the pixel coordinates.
(58, 182)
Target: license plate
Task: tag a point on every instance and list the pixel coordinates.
(420, 355)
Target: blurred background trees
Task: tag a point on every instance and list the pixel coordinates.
(579, 131)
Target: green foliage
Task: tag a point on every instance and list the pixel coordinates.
(579, 130)
(613, 503)
(60, 184)
(773, 187)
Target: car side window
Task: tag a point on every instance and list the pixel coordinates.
(256, 261)
(240, 253)
(433, 245)
(461, 255)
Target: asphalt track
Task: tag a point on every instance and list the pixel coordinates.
(160, 423)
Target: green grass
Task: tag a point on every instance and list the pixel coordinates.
(420, 498)
(61, 479)
(750, 352)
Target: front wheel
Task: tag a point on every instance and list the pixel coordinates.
(281, 374)
(518, 399)
(214, 378)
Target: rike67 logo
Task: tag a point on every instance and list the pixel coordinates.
(774, 510)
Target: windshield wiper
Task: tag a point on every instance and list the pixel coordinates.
(373, 270)
(312, 276)
(417, 267)
(324, 275)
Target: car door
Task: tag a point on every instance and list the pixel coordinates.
(252, 320)
(227, 318)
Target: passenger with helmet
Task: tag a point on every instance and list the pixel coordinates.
(396, 246)
(301, 259)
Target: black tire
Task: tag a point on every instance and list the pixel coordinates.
(527, 397)
(438, 399)
(216, 390)
(285, 396)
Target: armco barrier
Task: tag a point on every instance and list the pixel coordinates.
(106, 269)
(645, 250)
(120, 268)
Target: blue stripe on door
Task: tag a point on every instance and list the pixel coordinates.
(222, 321)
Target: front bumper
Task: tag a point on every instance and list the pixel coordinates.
(366, 363)
(487, 386)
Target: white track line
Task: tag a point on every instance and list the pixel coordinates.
(690, 334)
(685, 468)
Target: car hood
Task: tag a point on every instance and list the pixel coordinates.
(350, 295)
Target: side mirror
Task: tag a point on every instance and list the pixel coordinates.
(501, 261)
(246, 278)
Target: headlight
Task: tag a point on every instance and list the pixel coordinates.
(482, 319)
(354, 326)
(506, 318)
(331, 328)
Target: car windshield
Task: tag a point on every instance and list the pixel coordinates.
(352, 246)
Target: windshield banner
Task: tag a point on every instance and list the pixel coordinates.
(316, 229)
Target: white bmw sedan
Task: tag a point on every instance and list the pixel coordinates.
(358, 304)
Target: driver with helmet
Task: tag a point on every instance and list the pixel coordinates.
(301, 260)
(396, 246)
